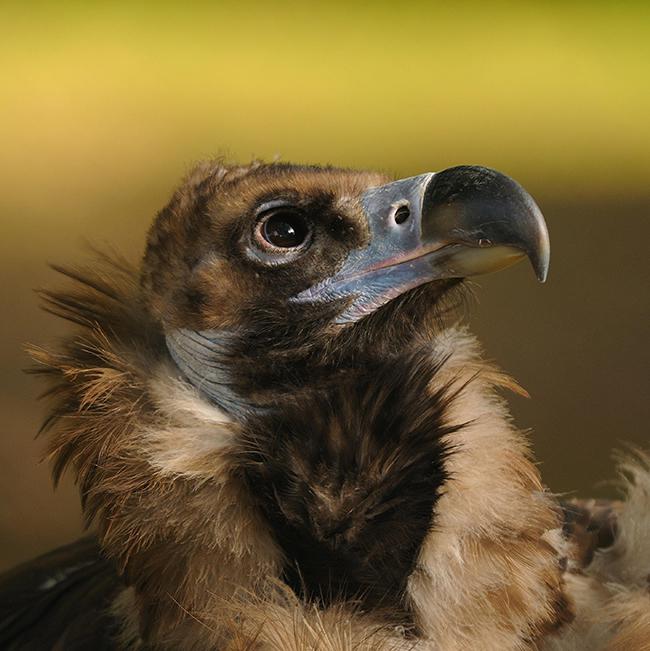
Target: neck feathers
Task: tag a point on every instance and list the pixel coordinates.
(348, 475)
(403, 488)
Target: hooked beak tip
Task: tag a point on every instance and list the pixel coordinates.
(541, 254)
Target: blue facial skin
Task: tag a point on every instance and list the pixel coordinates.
(457, 223)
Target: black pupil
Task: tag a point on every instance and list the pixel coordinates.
(285, 230)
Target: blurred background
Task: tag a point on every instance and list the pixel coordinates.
(103, 106)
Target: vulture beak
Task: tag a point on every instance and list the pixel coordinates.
(460, 222)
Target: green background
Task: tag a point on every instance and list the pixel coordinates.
(103, 106)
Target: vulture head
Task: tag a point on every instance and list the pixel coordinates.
(269, 279)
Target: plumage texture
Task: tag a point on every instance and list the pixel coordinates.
(612, 590)
(381, 499)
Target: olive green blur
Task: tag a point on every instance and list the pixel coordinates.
(103, 106)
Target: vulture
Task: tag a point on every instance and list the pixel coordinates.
(286, 439)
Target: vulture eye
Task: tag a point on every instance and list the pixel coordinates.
(282, 228)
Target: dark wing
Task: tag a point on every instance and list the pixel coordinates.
(60, 601)
(590, 525)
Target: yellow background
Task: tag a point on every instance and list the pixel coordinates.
(103, 106)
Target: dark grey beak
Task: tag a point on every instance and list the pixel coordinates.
(488, 215)
(460, 222)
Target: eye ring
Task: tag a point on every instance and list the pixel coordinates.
(282, 229)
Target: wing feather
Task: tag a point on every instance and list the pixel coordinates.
(60, 601)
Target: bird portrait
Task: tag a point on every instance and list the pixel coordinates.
(285, 436)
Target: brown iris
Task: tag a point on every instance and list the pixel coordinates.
(285, 229)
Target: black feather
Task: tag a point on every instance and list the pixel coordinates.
(60, 600)
(348, 478)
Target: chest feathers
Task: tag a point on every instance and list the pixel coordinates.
(395, 507)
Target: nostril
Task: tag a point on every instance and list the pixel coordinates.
(402, 213)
